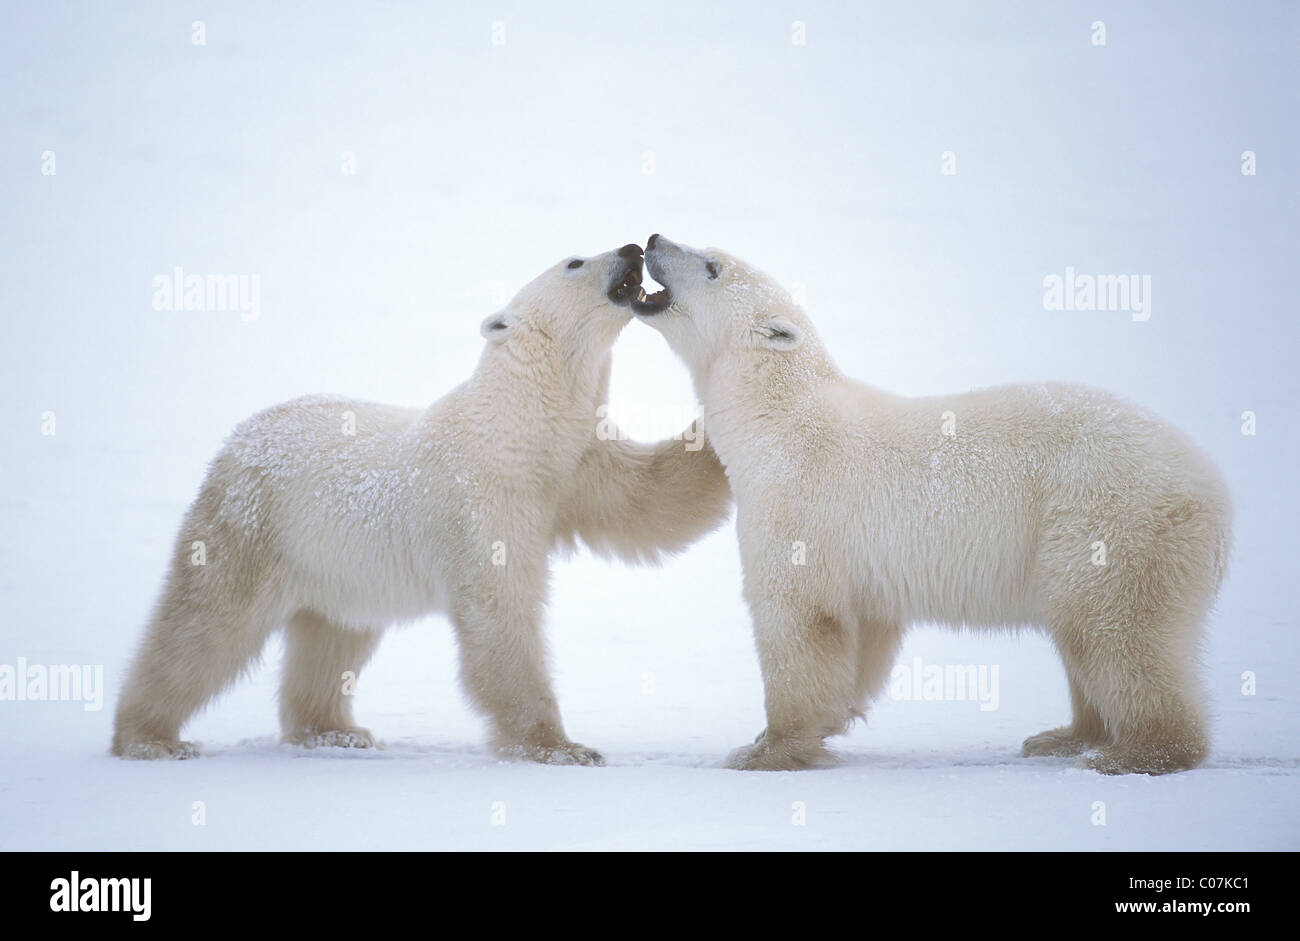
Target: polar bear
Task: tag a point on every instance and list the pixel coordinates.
(859, 512)
(336, 518)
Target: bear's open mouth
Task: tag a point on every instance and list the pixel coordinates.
(646, 304)
(627, 289)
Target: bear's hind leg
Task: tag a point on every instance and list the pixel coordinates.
(201, 638)
(1141, 677)
(1129, 628)
(315, 695)
(1085, 732)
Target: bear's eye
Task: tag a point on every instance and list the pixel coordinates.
(576, 263)
(712, 268)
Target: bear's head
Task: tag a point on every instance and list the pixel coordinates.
(715, 310)
(576, 307)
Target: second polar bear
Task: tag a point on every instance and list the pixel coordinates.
(337, 518)
(859, 512)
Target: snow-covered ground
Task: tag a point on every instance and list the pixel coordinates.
(489, 143)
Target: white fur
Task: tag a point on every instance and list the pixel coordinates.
(992, 526)
(454, 509)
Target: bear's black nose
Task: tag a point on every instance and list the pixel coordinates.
(650, 242)
(630, 251)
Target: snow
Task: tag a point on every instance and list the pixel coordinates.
(478, 166)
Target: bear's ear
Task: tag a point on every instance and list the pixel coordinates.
(777, 333)
(496, 326)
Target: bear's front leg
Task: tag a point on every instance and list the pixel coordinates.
(809, 668)
(503, 666)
